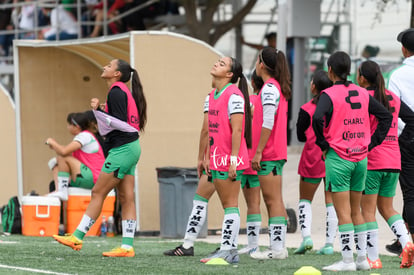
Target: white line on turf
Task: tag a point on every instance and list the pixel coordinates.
(32, 270)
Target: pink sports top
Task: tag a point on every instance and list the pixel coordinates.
(348, 132)
(276, 146)
(311, 164)
(386, 155)
(220, 132)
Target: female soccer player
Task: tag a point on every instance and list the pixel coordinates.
(344, 109)
(269, 132)
(251, 187)
(312, 170)
(229, 136)
(384, 165)
(123, 154)
(78, 163)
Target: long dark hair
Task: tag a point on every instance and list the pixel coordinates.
(340, 64)
(137, 92)
(276, 66)
(372, 73)
(321, 81)
(237, 70)
(257, 82)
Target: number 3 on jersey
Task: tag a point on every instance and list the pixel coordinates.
(354, 105)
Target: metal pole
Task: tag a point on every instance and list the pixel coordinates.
(282, 25)
(298, 87)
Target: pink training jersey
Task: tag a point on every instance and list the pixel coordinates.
(250, 171)
(276, 146)
(348, 132)
(93, 161)
(311, 164)
(386, 155)
(133, 117)
(220, 133)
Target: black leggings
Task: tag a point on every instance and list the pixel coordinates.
(407, 182)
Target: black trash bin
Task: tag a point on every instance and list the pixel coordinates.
(177, 189)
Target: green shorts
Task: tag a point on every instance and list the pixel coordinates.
(344, 175)
(381, 183)
(250, 181)
(123, 160)
(84, 179)
(312, 180)
(221, 175)
(275, 166)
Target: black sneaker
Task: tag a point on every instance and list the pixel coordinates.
(394, 248)
(180, 251)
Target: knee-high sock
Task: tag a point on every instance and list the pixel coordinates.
(195, 220)
(277, 232)
(305, 217)
(372, 240)
(128, 233)
(331, 223)
(346, 237)
(397, 225)
(83, 227)
(230, 228)
(254, 221)
(361, 240)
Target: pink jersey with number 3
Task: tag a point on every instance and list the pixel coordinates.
(311, 164)
(348, 132)
(220, 133)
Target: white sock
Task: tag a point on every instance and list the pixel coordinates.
(85, 224)
(62, 186)
(253, 231)
(372, 244)
(277, 233)
(230, 228)
(360, 239)
(128, 233)
(331, 224)
(195, 222)
(305, 217)
(400, 230)
(346, 238)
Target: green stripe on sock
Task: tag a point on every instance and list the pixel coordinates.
(372, 225)
(360, 228)
(200, 198)
(277, 220)
(329, 204)
(128, 241)
(254, 218)
(393, 219)
(346, 227)
(231, 210)
(79, 234)
(63, 174)
(303, 200)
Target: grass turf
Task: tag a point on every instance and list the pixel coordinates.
(44, 254)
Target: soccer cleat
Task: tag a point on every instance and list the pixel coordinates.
(270, 254)
(340, 266)
(69, 240)
(211, 255)
(377, 264)
(407, 255)
(394, 248)
(306, 245)
(248, 250)
(362, 264)
(180, 251)
(229, 256)
(326, 250)
(120, 252)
